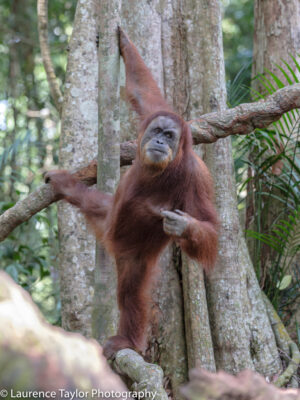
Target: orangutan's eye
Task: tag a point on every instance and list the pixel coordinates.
(169, 134)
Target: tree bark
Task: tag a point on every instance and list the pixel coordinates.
(79, 114)
(241, 331)
(105, 312)
(276, 34)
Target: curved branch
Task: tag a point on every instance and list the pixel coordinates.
(291, 370)
(39, 199)
(244, 118)
(146, 377)
(208, 129)
(24, 209)
(42, 12)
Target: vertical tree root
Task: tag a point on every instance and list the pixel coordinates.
(285, 343)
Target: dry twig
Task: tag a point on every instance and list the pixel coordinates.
(42, 12)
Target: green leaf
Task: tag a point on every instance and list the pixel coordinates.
(296, 62)
(279, 83)
(285, 282)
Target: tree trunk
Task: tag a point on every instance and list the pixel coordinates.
(241, 331)
(276, 33)
(14, 78)
(78, 145)
(105, 315)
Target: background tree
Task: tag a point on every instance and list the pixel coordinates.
(105, 316)
(273, 174)
(28, 142)
(78, 142)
